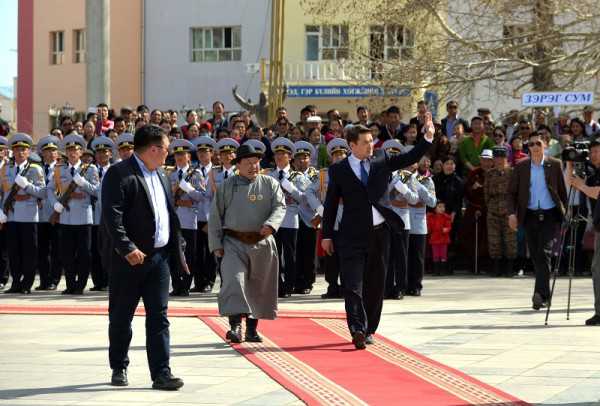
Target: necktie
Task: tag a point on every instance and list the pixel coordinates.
(18, 171)
(364, 175)
(203, 172)
(72, 171)
(180, 174)
(226, 174)
(101, 172)
(281, 174)
(46, 170)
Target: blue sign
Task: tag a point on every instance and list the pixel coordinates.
(344, 91)
(546, 99)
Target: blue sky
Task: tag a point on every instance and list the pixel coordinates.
(8, 42)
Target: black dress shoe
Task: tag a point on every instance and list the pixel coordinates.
(594, 321)
(166, 381)
(174, 293)
(51, 287)
(330, 295)
(537, 301)
(184, 293)
(41, 287)
(284, 294)
(77, 292)
(119, 377)
(235, 334)
(196, 289)
(25, 291)
(252, 336)
(359, 340)
(207, 289)
(67, 292)
(13, 289)
(95, 289)
(369, 339)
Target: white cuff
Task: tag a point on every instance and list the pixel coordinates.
(320, 210)
(3, 217)
(58, 207)
(79, 180)
(186, 186)
(22, 181)
(401, 187)
(287, 185)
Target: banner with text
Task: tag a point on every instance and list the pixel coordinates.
(548, 99)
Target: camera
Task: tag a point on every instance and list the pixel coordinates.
(579, 151)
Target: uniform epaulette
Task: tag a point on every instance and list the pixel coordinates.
(218, 168)
(35, 165)
(312, 171)
(265, 171)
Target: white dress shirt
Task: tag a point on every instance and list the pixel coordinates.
(355, 165)
(158, 199)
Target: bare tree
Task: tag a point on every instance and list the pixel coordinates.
(452, 46)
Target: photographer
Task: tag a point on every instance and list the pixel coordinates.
(591, 188)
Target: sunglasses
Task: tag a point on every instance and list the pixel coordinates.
(535, 144)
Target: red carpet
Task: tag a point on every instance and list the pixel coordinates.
(311, 355)
(315, 359)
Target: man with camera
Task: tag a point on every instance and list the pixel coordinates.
(591, 188)
(537, 200)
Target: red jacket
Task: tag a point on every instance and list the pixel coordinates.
(439, 226)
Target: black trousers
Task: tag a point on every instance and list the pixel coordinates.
(76, 247)
(99, 272)
(49, 265)
(305, 257)
(363, 278)
(332, 269)
(205, 269)
(396, 280)
(3, 256)
(22, 244)
(416, 262)
(182, 281)
(286, 239)
(149, 281)
(540, 235)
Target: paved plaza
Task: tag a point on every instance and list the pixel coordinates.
(482, 326)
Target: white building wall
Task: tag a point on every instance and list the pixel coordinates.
(171, 80)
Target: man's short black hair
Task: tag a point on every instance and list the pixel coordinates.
(147, 136)
(393, 110)
(475, 118)
(544, 127)
(142, 108)
(102, 105)
(421, 102)
(119, 119)
(361, 108)
(354, 134)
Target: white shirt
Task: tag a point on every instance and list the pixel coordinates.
(158, 199)
(355, 165)
(286, 172)
(230, 172)
(204, 170)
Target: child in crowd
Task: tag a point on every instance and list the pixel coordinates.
(439, 224)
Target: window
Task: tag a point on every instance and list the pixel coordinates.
(57, 47)
(391, 42)
(326, 42)
(216, 44)
(79, 46)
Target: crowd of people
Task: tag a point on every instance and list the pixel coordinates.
(453, 203)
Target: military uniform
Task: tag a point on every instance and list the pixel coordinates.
(99, 269)
(315, 196)
(502, 241)
(76, 217)
(403, 191)
(186, 183)
(417, 238)
(21, 221)
(49, 265)
(250, 265)
(204, 272)
(3, 250)
(124, 143)
(307, 234)
(294, 185)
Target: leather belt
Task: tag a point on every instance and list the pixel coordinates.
(184, 203)
(21, 198)
(78, 195)
(399, 204)
(247, 237)
(418, 205)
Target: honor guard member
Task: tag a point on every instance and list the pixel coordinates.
(204, 272)
(186, 183)
(294, 185)
(3, 250)
(307, 234)
(103, 151)
(87, 156)
(337, 149)
(125, 146)
(248, 208)
(417, 239)
(71, 195)
(502, 241)
(227, 148)
(22, 186)
(259, 146)
(49, 265)
(402, 191)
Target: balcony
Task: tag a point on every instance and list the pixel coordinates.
(314, 71)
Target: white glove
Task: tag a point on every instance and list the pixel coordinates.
(401, 187)
(3, 218)
(320, 211)
(78, 179)
(22, 181)
(287, 185)
(186, 186)
(58, 207)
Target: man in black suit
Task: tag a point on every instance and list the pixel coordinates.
(452, 119)
(142, 230)
(361, 180)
